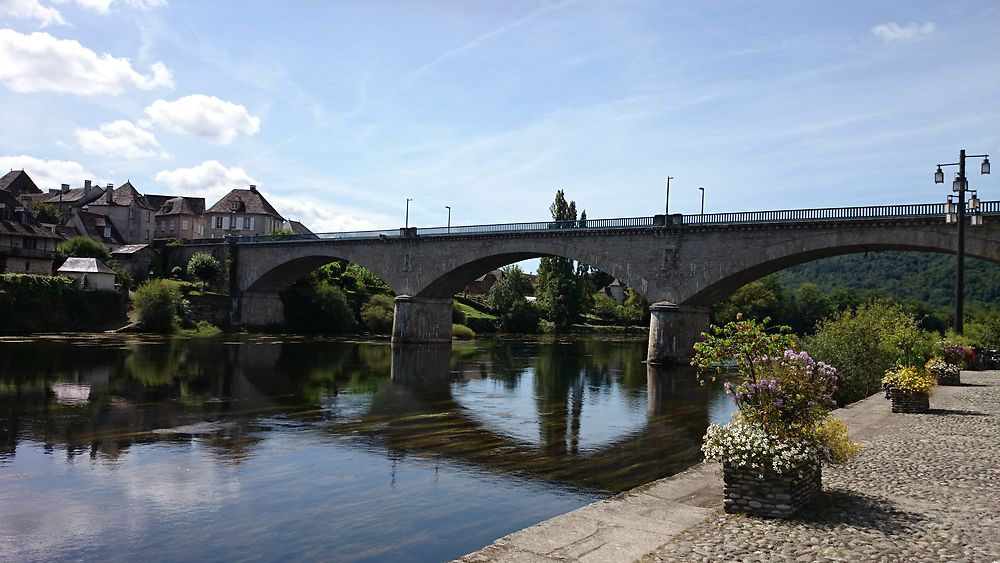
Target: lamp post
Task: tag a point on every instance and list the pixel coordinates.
(961, 185)
(407, 221)
(702, 200)
(666, 207)
(448, 207)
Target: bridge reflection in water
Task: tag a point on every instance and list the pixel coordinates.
(586, 413)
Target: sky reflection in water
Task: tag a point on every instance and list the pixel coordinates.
(123, 448)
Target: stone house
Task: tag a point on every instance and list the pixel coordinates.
(65, 199)
(97, 227)
(241, 213)
(90, 273)
(128, 211)
(26, 246)
(18, 183)
(178, 217)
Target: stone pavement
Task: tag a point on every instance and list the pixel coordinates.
(924, 488)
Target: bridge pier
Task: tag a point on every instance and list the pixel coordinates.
(421, 320)
(673, 330)
(259, 309)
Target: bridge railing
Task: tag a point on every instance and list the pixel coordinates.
(917, 210)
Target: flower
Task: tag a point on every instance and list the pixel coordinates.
(909, 379)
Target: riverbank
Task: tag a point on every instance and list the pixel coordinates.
(923, 488)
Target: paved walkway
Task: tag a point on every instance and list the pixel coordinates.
(924, 488)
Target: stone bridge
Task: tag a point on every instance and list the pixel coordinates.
(680, 263)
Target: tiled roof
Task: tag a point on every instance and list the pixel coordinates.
(94, 225)
(298, 228)
(20, 224)
(20, 181)
(75, 194)
(248, 201)
(126, 194)
(129, 249)
(87, 265)
(177, 205)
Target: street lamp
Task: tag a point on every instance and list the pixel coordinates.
(702, 200)
(955, 213)
(407, 221)
(666, 207)
(448, 207)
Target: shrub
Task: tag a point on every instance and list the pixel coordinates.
(81, 247)
(462, 332)
(156, 304)
(522, 317)
(204, 267)
(458, 316)
(377, 314)
(865, 343)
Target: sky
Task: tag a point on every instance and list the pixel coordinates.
(341, 111)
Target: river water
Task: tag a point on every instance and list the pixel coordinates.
(275, 448)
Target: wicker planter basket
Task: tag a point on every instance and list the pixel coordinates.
(772, 495)
(908, 402)
(952, 380)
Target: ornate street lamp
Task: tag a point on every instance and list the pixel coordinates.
(955, 213)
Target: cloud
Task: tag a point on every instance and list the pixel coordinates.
(40, 62)
(891, 31)
(204, 116)
(46, 173)
(104, 6)
(317, 215)
(121, 139)
(210, 179)
(31, 9)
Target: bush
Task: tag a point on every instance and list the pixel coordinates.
(377, 314)
(458, 316)
(81, 247)
(204, 267)
(522, 317)
(865, 343)
(319, 308)
(156, 304)
(462, 332)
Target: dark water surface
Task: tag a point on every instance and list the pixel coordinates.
(273, 448)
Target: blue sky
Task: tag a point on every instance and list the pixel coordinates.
(340, 111)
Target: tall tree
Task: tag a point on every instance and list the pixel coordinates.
(559, 288)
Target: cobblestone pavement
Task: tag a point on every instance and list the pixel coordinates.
(926, 487)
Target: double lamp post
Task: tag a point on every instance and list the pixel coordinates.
(955, 213)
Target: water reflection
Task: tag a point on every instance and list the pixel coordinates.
(418, 442)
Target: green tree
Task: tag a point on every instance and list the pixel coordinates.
(48, 213)
(810, 307)
(559, 287)
(508, 303)
(755, 300)
(204, 267)
(377, 314)
(318, 307)
(82, 247)
(156, 305)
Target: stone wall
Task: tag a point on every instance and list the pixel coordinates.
(908, 402)
(769, 494)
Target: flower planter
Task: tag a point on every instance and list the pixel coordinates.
(908, 402)
(950, 379)
(765, 493)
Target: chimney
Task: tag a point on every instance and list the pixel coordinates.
(253, 188)
(86, 186)
(109, 193)
(64, 188)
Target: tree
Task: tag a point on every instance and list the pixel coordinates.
(156, 304)
(48, 213)
(560, 289)
(204, 267)
(754, 300)
(83, 247)
(507, 300)
(377, 314)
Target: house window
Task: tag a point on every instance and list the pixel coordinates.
(107, 232)
(147, 216)
(27, 267)
(232, 222)
(147, 235)
(218, 222)
(234, 205)
(185, 224)
(247, 223)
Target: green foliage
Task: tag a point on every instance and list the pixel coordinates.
(48, 213)
(156, 304)
(83, 247)
(562, 291)
(31, 303)
(507, 300)
(282, 232)
(318, 308)
(754, 300)
(122, 275)
(523, 317)
(866, 342)
(458, 315)
(204, 267)
(983, 331)
(201, 329)
(740, 342)
(377, 314)
(462, 332)
(631, 312)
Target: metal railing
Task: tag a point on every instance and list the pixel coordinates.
(829, 214)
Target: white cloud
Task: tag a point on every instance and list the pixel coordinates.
(317, 215)
(210, 179)
(40, 62)
(46, 173)
(891, 31)
(204, 116)
(31, 9)
(104, 6)
(121, 139)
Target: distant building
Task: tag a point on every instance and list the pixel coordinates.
(297, 228)
(90, 273)
(135, 258)
(242, 213)
(18, 183)
(26, 246)
(178, 217)
(65, 199)
(483, 284)
(128, 210)
(97, 227)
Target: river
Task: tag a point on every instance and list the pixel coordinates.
(124, 448)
